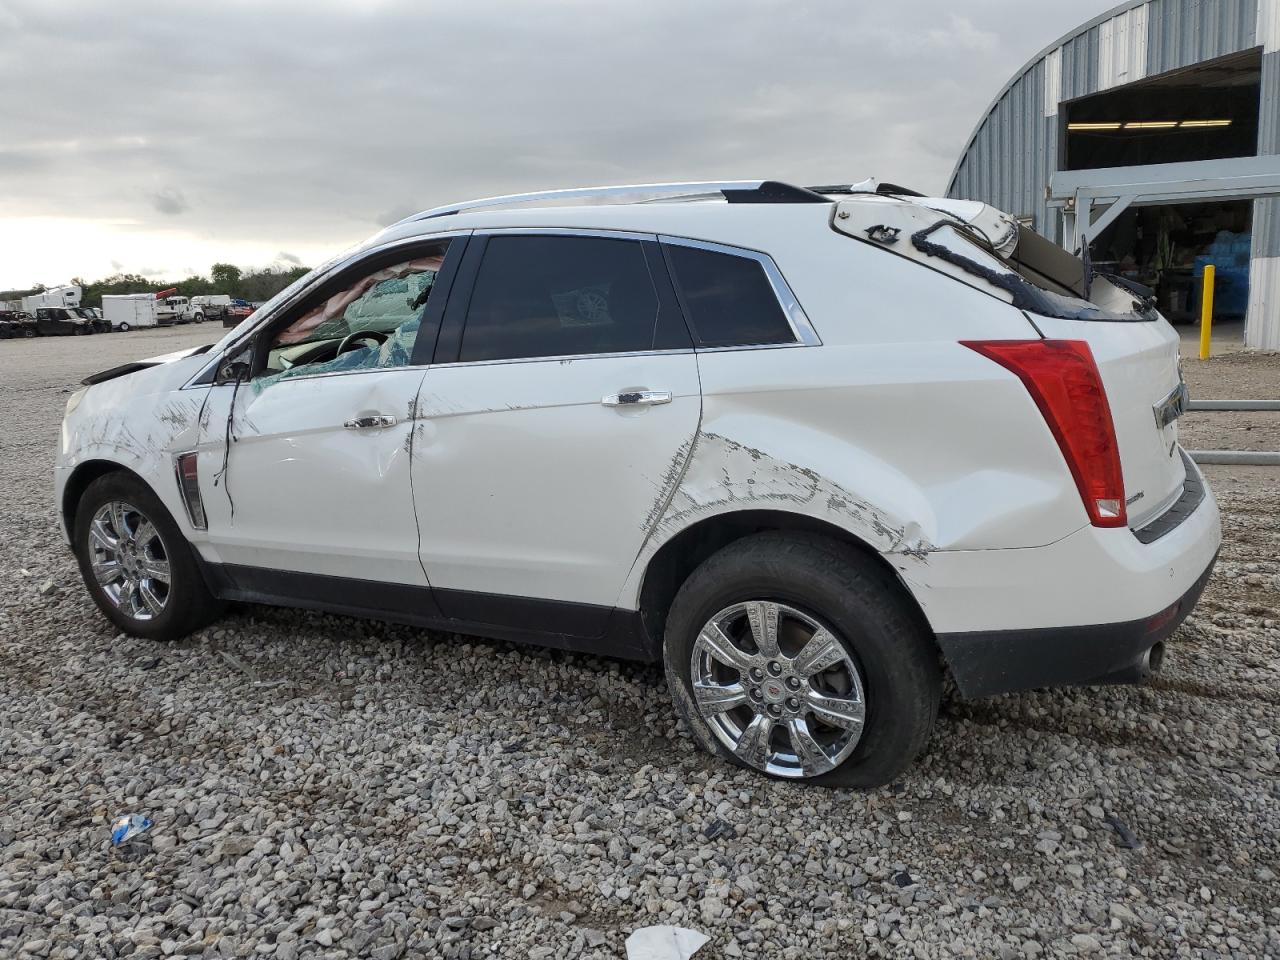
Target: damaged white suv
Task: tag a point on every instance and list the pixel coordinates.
(809, 447)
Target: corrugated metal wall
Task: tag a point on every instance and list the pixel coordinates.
(1014, 151)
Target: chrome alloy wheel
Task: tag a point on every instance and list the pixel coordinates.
(129, 560)
(778, 689)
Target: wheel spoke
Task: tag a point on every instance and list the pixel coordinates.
(153, 603)
(129, 597)
(101, 537)
(145, 532)
(107, 571)
(720, 647)
(763, 618)
(808, 751)
(715, 698)
(837, 711)
(117, 521)
(753, 745)
(821, 652)
(155, 569)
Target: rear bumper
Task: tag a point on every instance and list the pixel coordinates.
(1084, 609)
(1003, 661)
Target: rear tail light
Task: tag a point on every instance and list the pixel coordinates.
(1063, 379)
(187, 469)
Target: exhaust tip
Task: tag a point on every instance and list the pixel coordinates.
(1155, 657)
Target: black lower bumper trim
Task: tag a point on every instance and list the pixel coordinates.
(1005, 661)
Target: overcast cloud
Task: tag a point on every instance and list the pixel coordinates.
(161, 136)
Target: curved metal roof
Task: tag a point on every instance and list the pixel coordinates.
(1029, 65)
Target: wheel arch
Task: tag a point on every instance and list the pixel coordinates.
(672, 563)
(78, 482)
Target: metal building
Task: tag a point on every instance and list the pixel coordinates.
(1151, 135)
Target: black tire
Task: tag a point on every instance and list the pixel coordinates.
(189, 604)
(855, 598)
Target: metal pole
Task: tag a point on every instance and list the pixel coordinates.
(1239, 458)
(1206, 310)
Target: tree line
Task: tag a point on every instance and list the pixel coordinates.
(252, 285)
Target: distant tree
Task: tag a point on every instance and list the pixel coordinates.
(226, 277)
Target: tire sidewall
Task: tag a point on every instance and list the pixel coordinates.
(868, 622)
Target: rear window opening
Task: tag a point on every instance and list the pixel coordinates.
(1039, 276)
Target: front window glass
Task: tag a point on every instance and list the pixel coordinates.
(371, 323)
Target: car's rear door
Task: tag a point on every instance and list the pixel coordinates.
(563, 396)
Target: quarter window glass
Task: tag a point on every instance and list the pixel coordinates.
(559, 296)
(729, 298)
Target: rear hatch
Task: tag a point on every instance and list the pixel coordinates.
(1135, 348)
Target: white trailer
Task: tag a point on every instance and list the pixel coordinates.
(130, 310)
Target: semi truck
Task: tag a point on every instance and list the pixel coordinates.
(67, 297)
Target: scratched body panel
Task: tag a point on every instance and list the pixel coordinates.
(836, 434)
(140, 422)
(300, 491)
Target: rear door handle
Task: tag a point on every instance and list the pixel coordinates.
(376, 421)
(638, 398)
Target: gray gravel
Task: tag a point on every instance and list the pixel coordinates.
(325, 787)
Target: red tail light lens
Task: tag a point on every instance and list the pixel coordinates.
(1063, 379)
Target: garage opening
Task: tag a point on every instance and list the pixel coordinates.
(1166, 248)
(1206, 112)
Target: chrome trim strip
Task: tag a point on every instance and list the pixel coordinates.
(602, 234)
(564, 359)
(799, 320)
(192, 509)
(583, 193)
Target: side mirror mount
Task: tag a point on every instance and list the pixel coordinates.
(235, 368)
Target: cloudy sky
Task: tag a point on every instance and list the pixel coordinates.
(160, 137)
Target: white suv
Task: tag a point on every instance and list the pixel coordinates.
(810, 447)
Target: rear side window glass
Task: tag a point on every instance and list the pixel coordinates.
(728, 298)
(554, 296)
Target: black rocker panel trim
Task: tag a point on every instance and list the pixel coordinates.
(584, 628)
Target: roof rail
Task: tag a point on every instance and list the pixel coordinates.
(735, 191)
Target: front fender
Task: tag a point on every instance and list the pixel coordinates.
(135, 422)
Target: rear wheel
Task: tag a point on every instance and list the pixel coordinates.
(138, 567)
(799, 657)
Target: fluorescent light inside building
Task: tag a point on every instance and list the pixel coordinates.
(1093, 126)
(1206, 123)
(1151, 125)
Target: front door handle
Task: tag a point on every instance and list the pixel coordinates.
(376, 421)
(637, 398)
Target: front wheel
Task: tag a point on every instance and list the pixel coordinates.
(798, 657)
(123, 328)
(135, 562)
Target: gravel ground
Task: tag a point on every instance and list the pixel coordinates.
(326, 787)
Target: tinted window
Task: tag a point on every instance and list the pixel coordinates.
(560, 296)
(729, 299)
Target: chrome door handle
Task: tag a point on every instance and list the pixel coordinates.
(637, 398)
(368, 423)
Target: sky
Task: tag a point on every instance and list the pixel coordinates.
(158, 138)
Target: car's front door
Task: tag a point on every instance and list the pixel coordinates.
(562, 403)
(310, 474)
